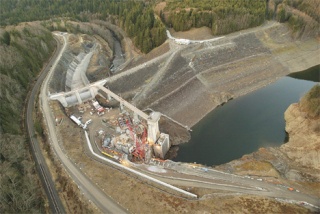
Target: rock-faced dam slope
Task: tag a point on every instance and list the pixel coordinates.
(188, 81)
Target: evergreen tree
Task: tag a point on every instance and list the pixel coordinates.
(6, 38)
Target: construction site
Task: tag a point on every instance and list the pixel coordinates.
(119, 130)
(112, 113)
(182, 81)
(121, 133)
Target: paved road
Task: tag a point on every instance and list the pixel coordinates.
(213, 179)
(186, 175)
(90, 190)
(42, 168)
(230, 182)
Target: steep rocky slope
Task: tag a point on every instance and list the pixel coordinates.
(297, 162)
(303, 127)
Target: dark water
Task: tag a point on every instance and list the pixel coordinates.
(245, 124)
(311, 74)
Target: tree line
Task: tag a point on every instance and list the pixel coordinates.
(24, 49)
(23, 53)
(146, 30)
(222, 16)
(302, 16)
(136, 17)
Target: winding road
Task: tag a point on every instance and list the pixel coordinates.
(209, 179)
(42, 168)
(105, 203)
(184, 174)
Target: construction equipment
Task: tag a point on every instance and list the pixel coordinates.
(139, 150)
(144, 136)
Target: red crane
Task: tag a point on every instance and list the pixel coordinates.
(139, 151)
(144, 136)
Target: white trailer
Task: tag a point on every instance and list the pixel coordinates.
(76, 120)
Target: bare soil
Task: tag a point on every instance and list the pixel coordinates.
(140, 59)
(201, 33)
(71, 197)
(160, 7)
(140, 197)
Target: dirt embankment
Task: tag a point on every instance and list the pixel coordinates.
(196, 78)
(304, 139)
(98, 35)
(78, 46)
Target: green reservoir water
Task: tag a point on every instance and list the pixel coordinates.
(248, 123)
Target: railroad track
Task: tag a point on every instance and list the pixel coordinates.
(55, 203)
(51, 192)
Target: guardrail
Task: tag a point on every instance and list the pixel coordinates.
(188, 194)
(173, 120)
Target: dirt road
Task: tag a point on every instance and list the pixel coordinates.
(93, 193)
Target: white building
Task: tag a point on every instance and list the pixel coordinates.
(153, 127)
(162, 146)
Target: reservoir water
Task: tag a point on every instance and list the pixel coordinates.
(248, 123)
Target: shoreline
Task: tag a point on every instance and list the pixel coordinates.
(269, 82)
(187, 82)
(300, 61)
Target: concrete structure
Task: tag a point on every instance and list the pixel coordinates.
(162, 146)
(88, 92)
(156, 181)
(153, 127)
(181, 41)
(152, 120)
(75, 97)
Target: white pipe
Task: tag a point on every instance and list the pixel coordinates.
(186, 41)
(138, 173)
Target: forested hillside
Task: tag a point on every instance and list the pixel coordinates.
(303, 16)
(136, 17)
(310, 103)
(23, 50)
(222, 16)
(226, 16)
(147, 31)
